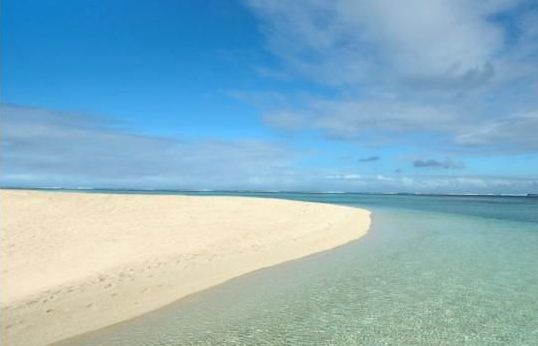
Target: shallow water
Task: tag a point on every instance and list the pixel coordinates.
(432, 271)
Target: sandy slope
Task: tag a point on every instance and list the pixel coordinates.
(75, 262)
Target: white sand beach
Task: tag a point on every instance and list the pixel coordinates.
(76, 262)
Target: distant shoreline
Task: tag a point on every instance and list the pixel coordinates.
(209, 191)
(75, 262)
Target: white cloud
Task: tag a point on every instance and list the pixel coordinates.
(438, 164)
(346, 41)
(53, 148)
(458, 72)
(48, 148)
(430, 183)
(349, 119)
(516, 131)
(346, 176)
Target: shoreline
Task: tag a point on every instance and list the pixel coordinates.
(77, 262)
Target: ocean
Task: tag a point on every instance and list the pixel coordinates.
(433, 270)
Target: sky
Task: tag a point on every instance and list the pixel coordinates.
(432, 96)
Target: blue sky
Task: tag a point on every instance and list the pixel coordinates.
(430, 96)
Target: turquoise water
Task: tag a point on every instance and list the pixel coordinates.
(433, 270)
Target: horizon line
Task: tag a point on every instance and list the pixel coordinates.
(110, 189)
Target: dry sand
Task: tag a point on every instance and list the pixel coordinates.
(76, 262)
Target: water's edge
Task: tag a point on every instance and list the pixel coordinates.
(432, 270)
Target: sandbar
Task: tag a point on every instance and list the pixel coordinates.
(76, 262)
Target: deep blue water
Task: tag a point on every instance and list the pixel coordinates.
(433, 270)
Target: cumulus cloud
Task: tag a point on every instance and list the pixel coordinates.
(444, 164)
(459, 72)
(348, 41)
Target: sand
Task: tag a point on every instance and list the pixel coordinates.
(75, 262)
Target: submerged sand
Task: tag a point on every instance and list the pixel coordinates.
(76, 262)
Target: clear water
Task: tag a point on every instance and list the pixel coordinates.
(434, 270)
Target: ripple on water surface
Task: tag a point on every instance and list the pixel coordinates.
(418, 278)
